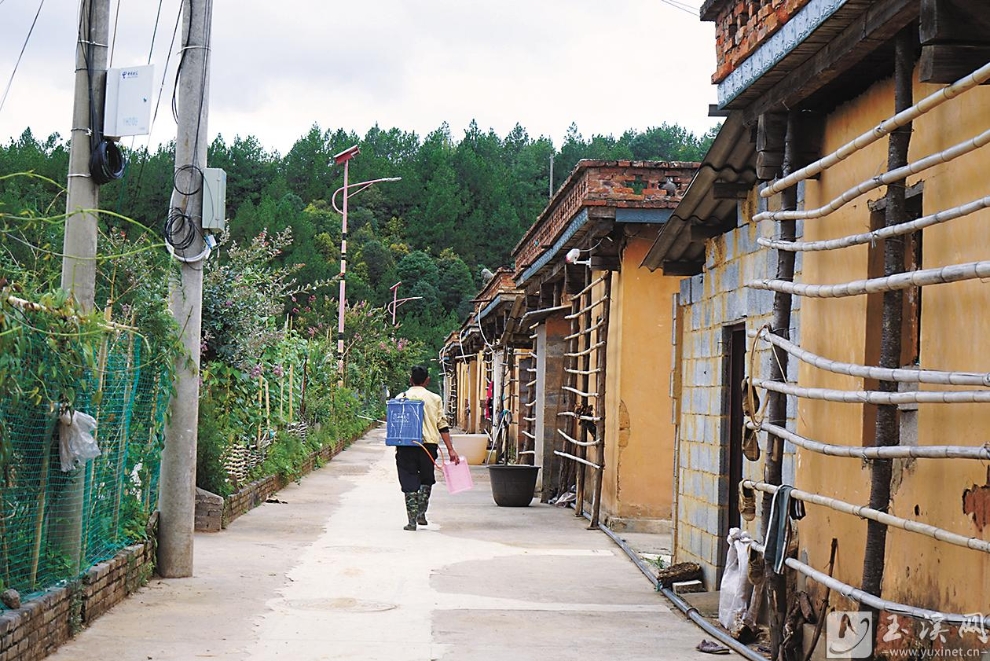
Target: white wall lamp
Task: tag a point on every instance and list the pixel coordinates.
(572, 258)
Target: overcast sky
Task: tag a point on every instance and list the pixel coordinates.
(279, 67)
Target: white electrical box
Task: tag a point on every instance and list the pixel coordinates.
(128, 102)
(214, 199)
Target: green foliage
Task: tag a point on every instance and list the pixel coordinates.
(114, 363)
(285, 458)
(270, 300)
(375, 358)
(244, 293)
(212, 442)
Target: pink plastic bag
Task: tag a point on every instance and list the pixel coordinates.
(457, 476)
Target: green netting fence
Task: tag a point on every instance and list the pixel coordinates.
(56, 524)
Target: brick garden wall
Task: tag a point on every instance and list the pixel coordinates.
(42, 624)
(258, 492)
(708, 303)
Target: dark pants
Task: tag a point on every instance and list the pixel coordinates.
(415, 466)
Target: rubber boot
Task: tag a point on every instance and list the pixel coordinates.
(424, 502)
(412, 509)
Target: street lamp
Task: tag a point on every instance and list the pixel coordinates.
(396, 302)
(345, 158)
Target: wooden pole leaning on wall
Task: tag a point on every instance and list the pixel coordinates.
(777, 404)
(888, 426)
(600, 404)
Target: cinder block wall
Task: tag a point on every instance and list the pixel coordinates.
(708, 303)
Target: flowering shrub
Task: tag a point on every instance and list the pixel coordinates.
(262, 371)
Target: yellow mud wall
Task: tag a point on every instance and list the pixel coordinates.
(954, 336)
(463, 379)
(480, 384)
(639, 441)
(469, 399)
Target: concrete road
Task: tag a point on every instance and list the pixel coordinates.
(329, 573)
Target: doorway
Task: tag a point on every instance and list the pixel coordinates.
(733, 371)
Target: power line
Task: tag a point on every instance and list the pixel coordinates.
(694, 11)
(113, 39)
(154, 33)
(23, 48)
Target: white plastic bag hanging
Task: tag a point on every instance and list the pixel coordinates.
(76, 443)
(735, 589)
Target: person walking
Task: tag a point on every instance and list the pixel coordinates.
(415, 463)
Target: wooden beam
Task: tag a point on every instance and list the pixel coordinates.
(725, 190)
(683, 267)
(809, 138)
(700, 232)
(715, 111)
(606, 262)
(955, 39)
(878, 24)
(954, 21)
(768, 165)
(770, 130)
(947, 63)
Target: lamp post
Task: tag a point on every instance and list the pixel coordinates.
(345, 158)
(396, 302)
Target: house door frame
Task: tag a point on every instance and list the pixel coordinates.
(731, 461)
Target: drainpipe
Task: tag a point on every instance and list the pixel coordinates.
(690, 611)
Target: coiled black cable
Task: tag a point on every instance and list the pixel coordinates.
(196, 181)
(179, 230)
(106, 162)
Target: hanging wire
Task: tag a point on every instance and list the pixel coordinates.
(154, 32)
(113, 38)
(682, 6)
(168, 59)
(161, 88)
(17, 64)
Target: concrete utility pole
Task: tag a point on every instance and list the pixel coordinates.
(177, 502)
(81, 230)
(79, 245)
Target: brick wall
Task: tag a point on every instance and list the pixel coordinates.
(709, 302)
(742, 26)
(258, 492)
(620, 184)
(45, 622)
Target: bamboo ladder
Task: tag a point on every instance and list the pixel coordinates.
(584, 389)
